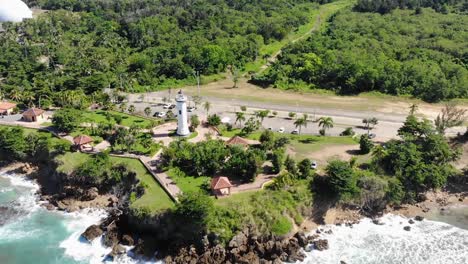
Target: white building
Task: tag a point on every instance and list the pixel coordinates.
(14, 11)
(182, 117)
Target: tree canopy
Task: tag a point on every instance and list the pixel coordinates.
(399, 53)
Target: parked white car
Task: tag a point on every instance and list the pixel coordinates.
(313, 165)
(166, 106)
(191, 108)
(159, 114)
(281, 130)
(295, 131)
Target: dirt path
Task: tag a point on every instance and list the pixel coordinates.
(274, 57)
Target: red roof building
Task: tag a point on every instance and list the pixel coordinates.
(33, 114)
(6, 108)
(82, 140)
(221, 186)
(236, 140)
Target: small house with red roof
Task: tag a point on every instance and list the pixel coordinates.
(6, 108)
(81, 142)
(236, 140)
(33, 115)
(221, 186)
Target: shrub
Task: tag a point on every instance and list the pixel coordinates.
(67, 119)
(214, 120)
(281, 226)
(341, 178)
(304, 168)
(365, 144)
(348, 132)
(277, 159)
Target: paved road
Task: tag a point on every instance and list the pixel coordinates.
(386, 129)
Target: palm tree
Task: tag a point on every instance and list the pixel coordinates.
(29, 97)
(147, 111)
(413, 109)
(325, 123)
(207, 107)
(261, 115)
(131, 109)
(16, 95)
(301, 122)
(240, 117)
(370, 121)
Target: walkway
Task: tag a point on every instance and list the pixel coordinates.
(151, 163)
(259, 183)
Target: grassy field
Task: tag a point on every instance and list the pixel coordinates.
(270, 210)
(100, 116)
(303, 145)
(187, 183)
(155, 198)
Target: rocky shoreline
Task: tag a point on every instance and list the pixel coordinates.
(246, 246)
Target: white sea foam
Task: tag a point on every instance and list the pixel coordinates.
(27, 201)
(428, 242)
(95, 252)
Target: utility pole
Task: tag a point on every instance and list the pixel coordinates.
(197, 76)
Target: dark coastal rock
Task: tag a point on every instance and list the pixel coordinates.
(111, 237)
(117, 250)
(407, 228)
(238, 240)
(92, 233)
(418, 218)
(8, 214)
(127, 240)
(61, 206)
(215, 255)
(377, 222)
(301, 239)
(421, 197)
(50, 207)
(321, 244)
(91, 194)
(249, 258)
(411, 221)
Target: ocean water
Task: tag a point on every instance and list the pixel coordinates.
(31, 234)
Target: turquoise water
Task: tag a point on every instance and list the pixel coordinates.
(31, 234)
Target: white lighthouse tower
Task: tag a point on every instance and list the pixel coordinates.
(182, 123)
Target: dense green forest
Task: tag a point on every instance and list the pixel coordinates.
(386, 6)
(406, 52)
(138, 45)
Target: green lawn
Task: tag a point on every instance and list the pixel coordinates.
(192, 135)
(100, 116)
(187, 183)
(270, 210)
(155, 198)
(306, 144)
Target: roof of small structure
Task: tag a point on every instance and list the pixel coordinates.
(6, 105)
(236, 140)
(33, 112)
(220, 183)
(82, 139)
